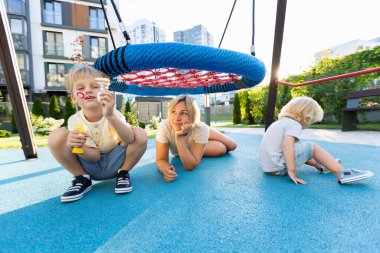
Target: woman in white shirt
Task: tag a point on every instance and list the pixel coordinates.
(187, 137)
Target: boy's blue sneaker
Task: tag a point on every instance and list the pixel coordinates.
(123, 182)
(352, 175)
(80, 185)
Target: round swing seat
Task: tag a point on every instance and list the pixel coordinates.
(163, 69)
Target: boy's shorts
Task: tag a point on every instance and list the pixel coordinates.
(108, 164)
(304, 153)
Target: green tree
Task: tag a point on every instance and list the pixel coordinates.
(122, 105)
(54, 110)
(127, 107)
(69, 109)
(332, 95)
(38, 108)
(236, 117)
(247, 108)
(259, 100)
(13, 124)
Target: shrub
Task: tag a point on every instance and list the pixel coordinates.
(4, 134)
(236, 117)
(127, 107)
(154, 122)
(13, 124)
(38, 108)
(131, 118)
(54, 110)
(69, 110)
(142, 124)
(45, 126)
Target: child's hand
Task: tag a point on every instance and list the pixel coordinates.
(295, 179)
(185, 130)
(169, 174)
(107, 99)
(76, 138)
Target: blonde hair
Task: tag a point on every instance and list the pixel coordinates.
(191, 105)
(80, 71)
(304, 110)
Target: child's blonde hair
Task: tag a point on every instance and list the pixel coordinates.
(80, 71)
(304, 110)
(191, 105)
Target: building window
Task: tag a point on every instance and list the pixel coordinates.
(55, 75)
(97, 19)
(16, 6)
(98, 47)
(53, 12)
(19, 32)
(23, 65)
(53, 44)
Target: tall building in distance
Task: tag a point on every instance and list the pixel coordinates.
(145, 31)
(49, 34)
(197, 35)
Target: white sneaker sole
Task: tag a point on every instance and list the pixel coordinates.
(75, 197)
(121, 191)
(356, 178)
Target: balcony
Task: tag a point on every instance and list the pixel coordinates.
(20, 41)
(54, 49)
(52, 17)
(25, 76)
(16, 7)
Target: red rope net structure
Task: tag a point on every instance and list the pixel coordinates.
(177, 78)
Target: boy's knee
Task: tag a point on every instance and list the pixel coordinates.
(57, 137)
(141, 137)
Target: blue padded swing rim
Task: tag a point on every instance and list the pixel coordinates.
(183, 56)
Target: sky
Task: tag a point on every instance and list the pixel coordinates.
(310, 25)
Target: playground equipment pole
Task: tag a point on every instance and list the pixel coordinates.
(15, 88)
(277, 45)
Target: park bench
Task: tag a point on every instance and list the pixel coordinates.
(349, 118)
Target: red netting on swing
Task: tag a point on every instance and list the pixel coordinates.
(177, 78)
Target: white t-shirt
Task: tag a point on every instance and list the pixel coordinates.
(271, 154)
(198, 134)
(102, 134)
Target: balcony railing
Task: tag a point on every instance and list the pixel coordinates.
(54, 49)
(20, 41)
(97, 23)
(55, 81)
(25, 76)
(96, 52)
(52, 17)
(16, 7)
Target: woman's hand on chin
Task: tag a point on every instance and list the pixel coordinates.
(185, 130)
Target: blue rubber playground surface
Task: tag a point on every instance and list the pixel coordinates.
(225, 205)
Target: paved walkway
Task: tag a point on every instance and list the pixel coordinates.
(354, 137)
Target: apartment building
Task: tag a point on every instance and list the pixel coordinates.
(197, 35)
(48, 36)
(145, 31)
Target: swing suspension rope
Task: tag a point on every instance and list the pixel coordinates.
(166, 68)
(332, 78)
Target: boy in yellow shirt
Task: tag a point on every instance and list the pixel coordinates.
(108, 146)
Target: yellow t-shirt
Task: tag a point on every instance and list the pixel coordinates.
(102, 134)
